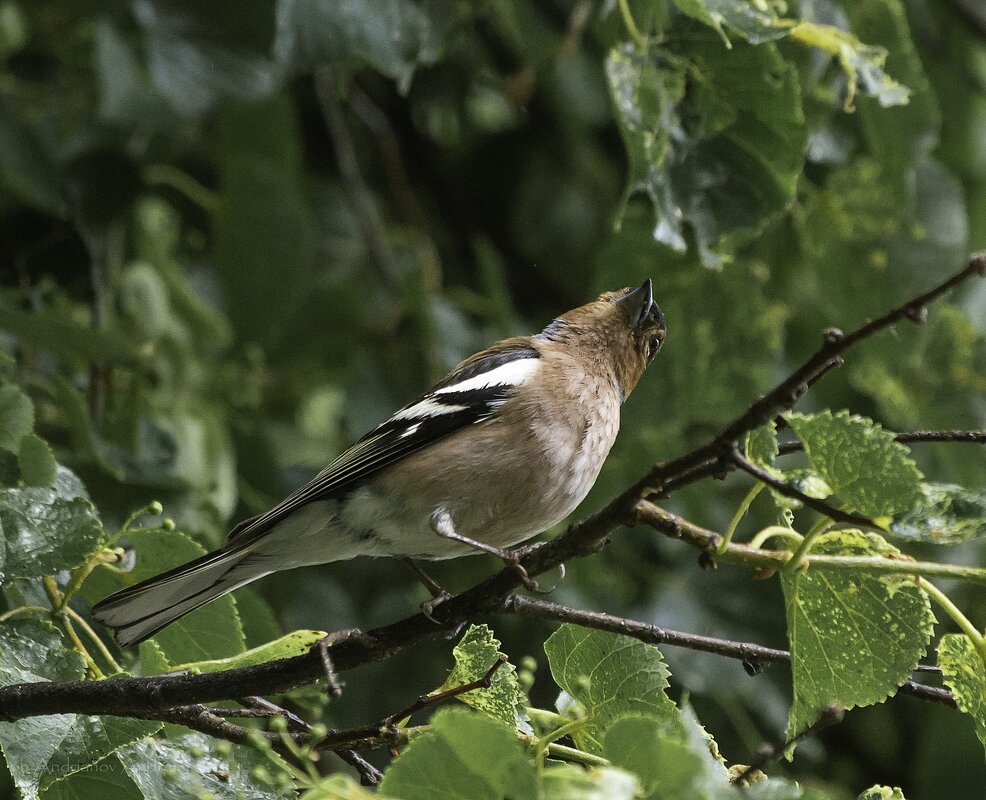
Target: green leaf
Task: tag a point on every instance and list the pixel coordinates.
(946, 514)
(855, 637)
(210, 632)
(680, 761)
(611, 676)
(717, 146)
(571, 782)
(882, 793)
(863, 64)
(151, 659)
(343, 787)
(195, 765)
(42, 750)
(47, 530)
(462, 754)
(964, 673)
(749, 20)
(657, 754)
(264, 219)
(36, 461)
(392, 36)
(16, 417)
(59, 333)
(865, 467)
(199, 54)
(260, 625)
(760, 445)
(106, 780)
(292, 644)
(26, 168)
(899, 136)
(807, 481)
(475, 653)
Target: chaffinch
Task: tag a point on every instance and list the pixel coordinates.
(502, 448)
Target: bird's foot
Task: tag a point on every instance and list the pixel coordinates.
(428, 606)
(441, 523)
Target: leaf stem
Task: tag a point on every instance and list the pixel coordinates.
(79, 574)
(78, 645)
(57, 600)
(103, 649)
(956, 614)
(740, 513)
(708, 541)
(180, 181)
(579, 756)
(22, 610)
(542, 744)
(639, 40)
(806, 544)
(544, 717)
(154, 508)
(758, 541)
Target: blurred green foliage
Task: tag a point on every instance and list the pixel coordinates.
(217, 272)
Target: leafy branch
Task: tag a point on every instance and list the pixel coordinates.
(152, 695)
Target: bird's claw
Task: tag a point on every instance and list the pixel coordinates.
(428, 606)
(561, 577)
(513, 563)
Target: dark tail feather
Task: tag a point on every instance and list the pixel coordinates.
(142, 610)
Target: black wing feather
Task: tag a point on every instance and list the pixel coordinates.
(397, 438)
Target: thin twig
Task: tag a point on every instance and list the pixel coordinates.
(785, 394)
(767, 752)
(369, 775)
(746, 652)
(847, 517)
(708, 542)
(910, 437)
(753, 656)
(263, 705)
(387, 724)
(367, 215)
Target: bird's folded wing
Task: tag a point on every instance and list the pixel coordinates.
(470, 394)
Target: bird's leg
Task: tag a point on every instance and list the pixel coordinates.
(441, 523)
(438, 594)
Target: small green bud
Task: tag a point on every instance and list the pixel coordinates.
(168, 524)
(224, 749)
(155, 508)
(318, 732)
(170, 774)
(278, 724)
(258, 740)
(261, 775)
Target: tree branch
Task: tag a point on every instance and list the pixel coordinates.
(752, 655)
(140, 697)
(910, 437)
(708, 542)
(820, 506)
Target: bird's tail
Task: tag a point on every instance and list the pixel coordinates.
(142, 610)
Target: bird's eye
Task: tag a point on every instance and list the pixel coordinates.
(654, 347)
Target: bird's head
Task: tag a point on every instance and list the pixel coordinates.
(621, 331)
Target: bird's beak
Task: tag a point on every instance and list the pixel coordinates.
(641, 308)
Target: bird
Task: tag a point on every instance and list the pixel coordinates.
(502, 448)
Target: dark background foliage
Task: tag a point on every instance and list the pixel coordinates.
(235, 236)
